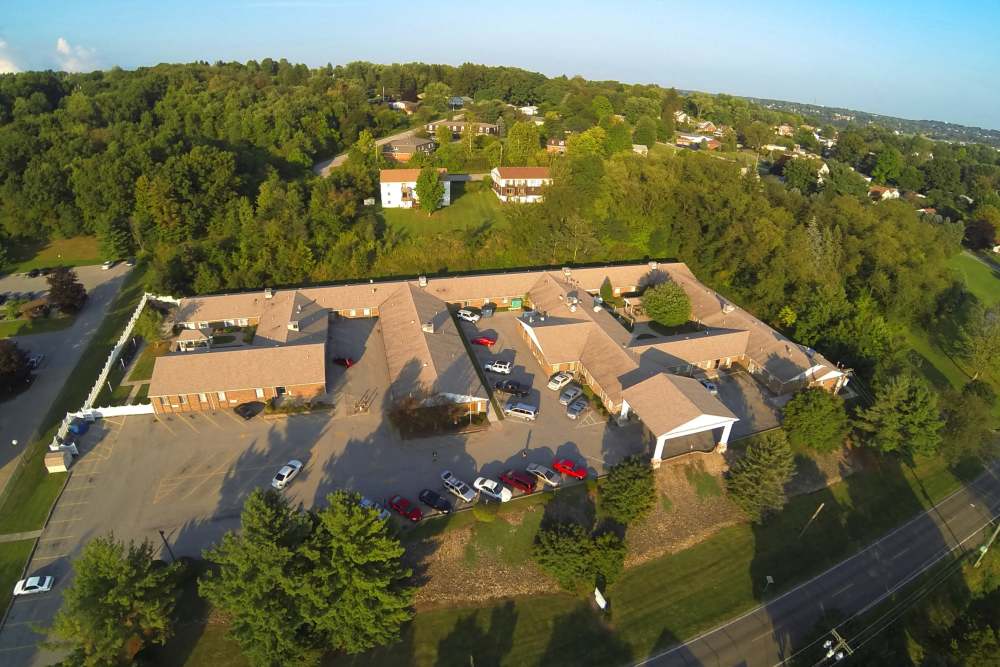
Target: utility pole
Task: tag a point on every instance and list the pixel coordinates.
(812, 518)
(985, 549)
(839, 649)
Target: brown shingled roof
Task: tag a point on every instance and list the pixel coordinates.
(523, 172)
(403, 175)
(666, 402)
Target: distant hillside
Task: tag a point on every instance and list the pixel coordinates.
(933, 129)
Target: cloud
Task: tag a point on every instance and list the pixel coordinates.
(7, 66)
(74, 58)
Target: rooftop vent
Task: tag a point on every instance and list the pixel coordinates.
(566, 271)
(268, 293)
(422, 281)
(572, 308)
(428, 326)
(293, 325)
(728, 307)
(653, 265)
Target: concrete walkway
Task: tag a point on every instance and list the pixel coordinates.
(17, 537)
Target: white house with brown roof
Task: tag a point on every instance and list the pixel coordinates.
(399, 188)
(523, 185)
(457, 127)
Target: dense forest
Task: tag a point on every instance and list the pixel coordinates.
(206, 170)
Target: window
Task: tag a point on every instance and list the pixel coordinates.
(260, 393)
(203, 398)
(182, 399)
(222, 395)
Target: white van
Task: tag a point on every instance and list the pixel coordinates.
(468, 315)
(522, 410)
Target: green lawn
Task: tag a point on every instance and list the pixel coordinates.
(143, 368)
(473, 206)
(142, 395)
(31, 490)
(13, 556)
(980, 279)
(10, 328)
(76, 251)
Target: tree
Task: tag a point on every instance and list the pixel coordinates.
(803, 174)
(888, 165)
(601, 106)
(120, 600)
(645, 132)
(911, 179)
(150, 324)
(592, 142)
(850, 147)
(904, 418)
(756, 134)
(608, 291)
(628, 492)
(14, 370)
(843, 180)
(817, 419)
(667, 303)
(575, 559)
(436, 94)
(757, 481)
(442, 136)
(968, 420)
(353, 589)
(523, 141)
(257, 583)
(430, 189)
(364, 160)
(66, 292)
(980, 340)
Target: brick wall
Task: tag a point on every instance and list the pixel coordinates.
(230, 399)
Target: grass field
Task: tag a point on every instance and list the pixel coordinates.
(143, 368)
(31, 491)
(473, 206)
(13, 556)
(10, 328)
(76, 251)
(980, 279)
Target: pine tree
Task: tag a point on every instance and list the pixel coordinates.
(120, 600)
(627, 493)
(817, 419)
(757, 481)
(904, 418)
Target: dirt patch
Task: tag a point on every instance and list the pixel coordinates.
(817, 471)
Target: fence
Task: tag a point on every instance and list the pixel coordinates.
(88, 409)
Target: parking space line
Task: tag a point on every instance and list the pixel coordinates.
(231, 416)
(56, 539)
(165, 424)
(207, 416)
(84, 502)
(65, 520)
(187, 423)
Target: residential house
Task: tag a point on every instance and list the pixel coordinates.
(399, 188)
(407, 107)
(456, 102)
(768, 148)
(784, 130)
(681, 117)
(693, 140)
(882, 192)
(640, 149)
(706, 126)
(556, 145)
(403, 150)
(457, 127)
(523, 185)
(530, 110)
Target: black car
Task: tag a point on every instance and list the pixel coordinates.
(33, 273)
(249, 410)
(45, 270)
(513, 388)
(434, 500)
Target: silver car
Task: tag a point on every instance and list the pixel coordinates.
(457, 487)
(286, 474)
(577, 407)
(570, 394)
(545, 475)
(560, 380)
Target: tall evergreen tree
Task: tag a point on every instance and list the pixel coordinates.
(757, 481)
(904, 418)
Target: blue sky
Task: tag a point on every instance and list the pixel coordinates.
(917, 59)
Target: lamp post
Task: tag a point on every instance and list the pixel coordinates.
(167, 545)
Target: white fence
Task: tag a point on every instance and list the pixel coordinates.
(88, 410)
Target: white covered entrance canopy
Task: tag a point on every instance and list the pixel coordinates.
(673, 406)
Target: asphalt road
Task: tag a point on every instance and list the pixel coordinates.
(767, 636)
(21, 416)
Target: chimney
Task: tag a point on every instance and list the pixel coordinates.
(428, 326)
(268, 293)
(422, 281)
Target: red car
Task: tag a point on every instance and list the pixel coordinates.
(570, 467)
(519, 480)
(405, 508)
(485, 341)
(346, 362)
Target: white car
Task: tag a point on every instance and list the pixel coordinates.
(572, 393)
(468, 315)
(457, 487)
(286, 474)
(545, 475)
(33, 585)
(492, 489)
(501, 367)
(560, 380)
(370, 504)
(107, 265)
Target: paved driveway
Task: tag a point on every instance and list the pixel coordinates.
(21, 416)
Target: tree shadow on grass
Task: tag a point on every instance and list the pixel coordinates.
(582, 637)
(470, 644)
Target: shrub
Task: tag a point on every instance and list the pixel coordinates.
(668, 304)
(627, 493)
(575, 559)
(817, 419)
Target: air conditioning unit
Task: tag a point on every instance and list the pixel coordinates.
(293, 325)
(268, 293)
(428, 326)
(422, 281)
(728, 307)
(653, 265)
(572, 308)
(566, 271)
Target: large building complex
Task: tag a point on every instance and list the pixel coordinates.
(562, 319)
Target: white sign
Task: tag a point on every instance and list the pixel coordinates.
(599, 599)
